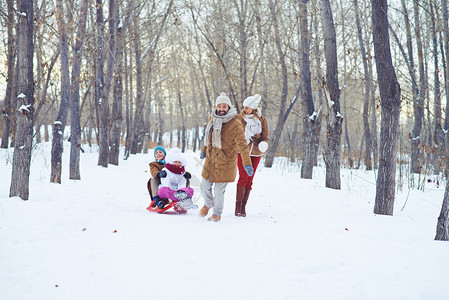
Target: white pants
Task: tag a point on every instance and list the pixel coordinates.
(209, 199)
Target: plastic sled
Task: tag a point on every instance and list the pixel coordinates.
(176, 208)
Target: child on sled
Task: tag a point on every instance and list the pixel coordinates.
(155, 171)
(174, 182)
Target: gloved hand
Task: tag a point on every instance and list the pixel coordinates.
(249, 170)
(255, 137)
(161, 174)
(203, 155)
(187, 175)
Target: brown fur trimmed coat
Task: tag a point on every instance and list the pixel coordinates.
(221, 164)
(262, 137)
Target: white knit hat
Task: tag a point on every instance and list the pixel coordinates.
(252, 101)
(223, 99)
(175, 155)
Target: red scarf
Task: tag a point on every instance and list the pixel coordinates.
(175, 169)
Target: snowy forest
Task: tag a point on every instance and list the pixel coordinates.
(363, 85)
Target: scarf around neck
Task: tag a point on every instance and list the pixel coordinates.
(175, 169)
(213, 129)
(253, 127)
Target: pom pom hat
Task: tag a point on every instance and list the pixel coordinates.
(252, 101)
(175, 155)
(223, 99)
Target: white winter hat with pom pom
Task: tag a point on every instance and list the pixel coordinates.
(252, 101)
(223, 99)
(175, 155)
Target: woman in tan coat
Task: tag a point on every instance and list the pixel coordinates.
(256, 135)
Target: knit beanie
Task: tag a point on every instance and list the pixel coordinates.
(159, 148)
(252, 101)
(223, 99)
(175, 155)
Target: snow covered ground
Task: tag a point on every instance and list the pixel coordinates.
(94, 239)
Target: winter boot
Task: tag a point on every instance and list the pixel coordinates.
(156, 199)
(160, 204)
(238, 201)
(204, 210)
(188, 203)
(215, 218)
(244, 201)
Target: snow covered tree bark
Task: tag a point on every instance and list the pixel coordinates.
(8, 112)
(20, 177)
(310, 115)
(443, 220)
(390, 93)
(334, 119)
(59, 124)
(75, 126)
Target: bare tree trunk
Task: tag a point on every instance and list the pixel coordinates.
(8, 112)
(438, 132)
(75, 126)
(117, 104)
(59, 124)
(390, 93)
(310, 114)
(319, 82)
(183, 124)
(366, 102)
(242, 27)
(419, 105)
(103, 157)
(446, 75)
(20, 176)
(334, 120)
(102, 105)
(138, 115)
(373, 112)
(345, 120)
(282, 116)
(160, 111)
(261, 42)
(128, 83)
(443, 220)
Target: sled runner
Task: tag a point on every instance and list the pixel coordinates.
(176, 208)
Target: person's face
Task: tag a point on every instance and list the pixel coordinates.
(159, 154)
(248, 110)
(177, 163)
(222, 109)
